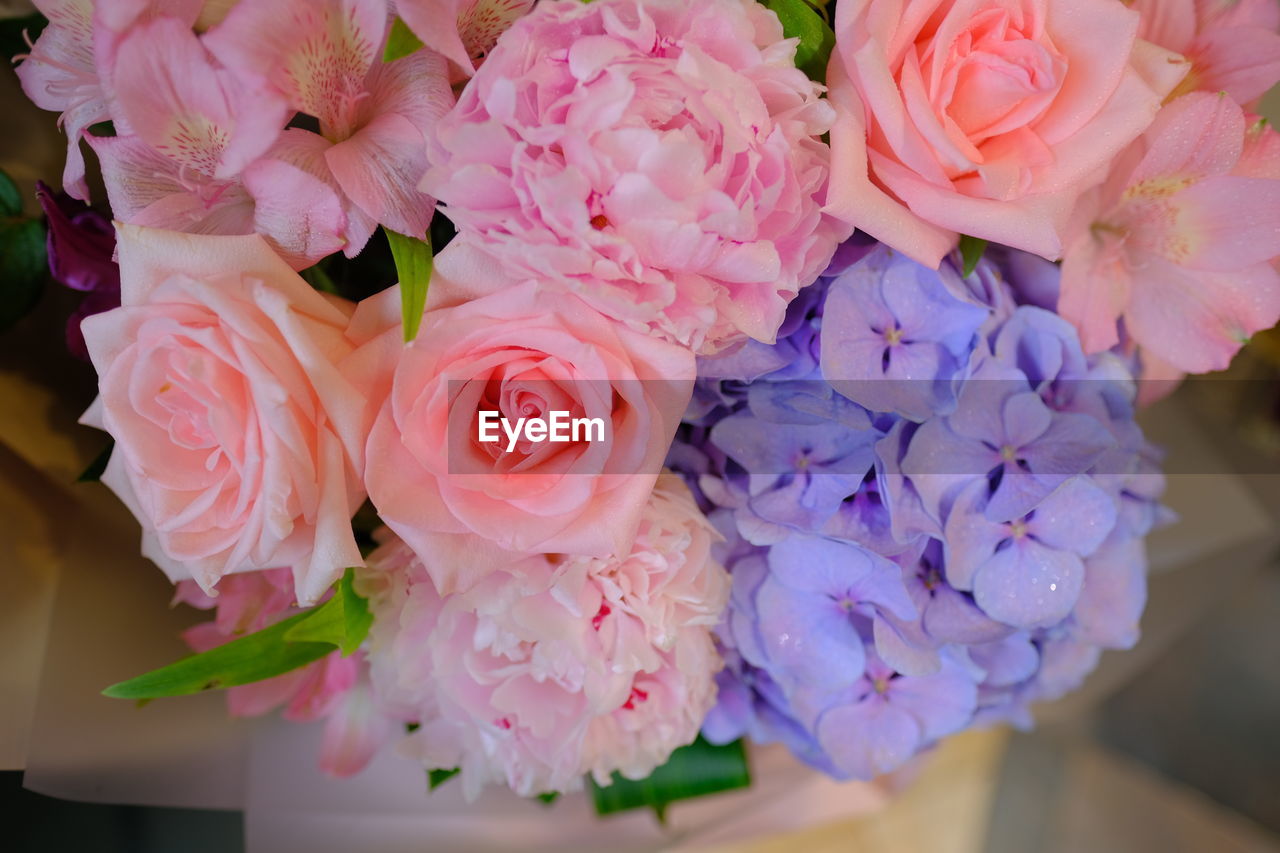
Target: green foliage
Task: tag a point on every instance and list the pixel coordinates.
(320, 279)
(93, 473)
(436, 778)
(801, 20)
(695, 770)
(24, 265)
(413, 267)
(400, 42)
(10, 198)
(971, 250)
(342, 622)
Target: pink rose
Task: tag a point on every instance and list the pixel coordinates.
(239, 443)
(522, 352)
(660, 158)
(554, 667)
(983, 117)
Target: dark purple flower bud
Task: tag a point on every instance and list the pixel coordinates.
(82, 245)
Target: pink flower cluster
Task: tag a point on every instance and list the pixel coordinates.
(554, 666)
(1114, 136)
(335, 689)
(205, 138)
(657, 157)
(253, 414)
(635, 184)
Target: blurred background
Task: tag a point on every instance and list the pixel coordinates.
(1174, 746)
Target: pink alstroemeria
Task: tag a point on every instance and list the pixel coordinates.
(1181, 240)
(199, 157)
(334, 688)
(325, 58)
(478, 23)
(1233, 45)
(59, 75)
(64, 71)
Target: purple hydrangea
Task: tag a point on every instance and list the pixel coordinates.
(933, 505)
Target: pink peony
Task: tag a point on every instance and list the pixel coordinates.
(658, 157)
(1232, 45)
(555, 667)
(477, 25)
(334, 688)
(239, 443)
(522, 352)
(1180, 241)
(983, 117)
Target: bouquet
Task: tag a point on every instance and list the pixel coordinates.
(566, 393)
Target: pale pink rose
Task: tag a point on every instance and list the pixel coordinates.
(334, 688)
(239, 441)
(983, 117)
(1232, 45)
(1181, 240)
(554, 667)
(477, 25)
(324, 58)
(660, 158)
(522, 352)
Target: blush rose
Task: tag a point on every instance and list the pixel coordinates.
(983, 117)
(523, 352)
(239, 441)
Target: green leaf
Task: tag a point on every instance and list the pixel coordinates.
(436, 778)
(10, 198)
(93, 473)
(319, 279)
(254, 657)
(551, 796)
(23, 268)
(413, 267)
(800, 20)
(400, 42)
(342, 621)
(692, 771)
(971, 249)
